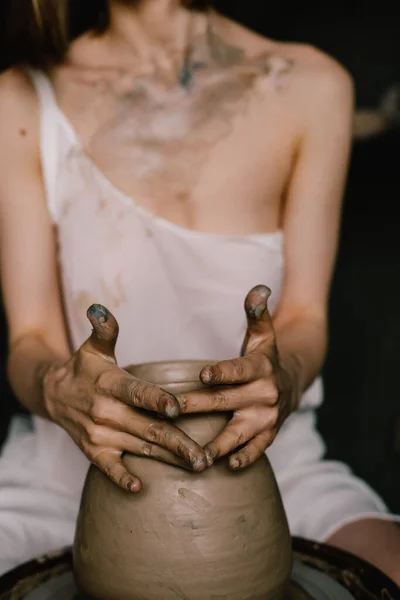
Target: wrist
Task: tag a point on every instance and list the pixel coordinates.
(29, 362)
(47, 374)
(293, 387)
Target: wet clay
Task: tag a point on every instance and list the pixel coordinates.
(220, 534)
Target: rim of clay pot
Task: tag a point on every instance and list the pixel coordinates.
(173, 371)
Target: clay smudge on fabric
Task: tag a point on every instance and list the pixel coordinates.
(66, 205)
(113, 291)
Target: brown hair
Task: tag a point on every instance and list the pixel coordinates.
(38, 32)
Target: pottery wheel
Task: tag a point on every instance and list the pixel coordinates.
(307, 584)
(319, 573)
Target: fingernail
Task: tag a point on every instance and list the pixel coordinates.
(134, 487)
(199, 464)
(99, 312)
(235, 463)
(262, 290)
(171, 408)
(207, 375)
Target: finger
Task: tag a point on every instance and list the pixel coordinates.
(237, 370)
(172, 439)
(110, 462)
(141, 394)
(236, 433)
(233, 436)
(134, 445)
(260, 330)
(105, 331)
(220, 399)
(252, 451)
(128, 443)
(113, 417)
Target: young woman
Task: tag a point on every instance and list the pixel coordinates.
(162, 161)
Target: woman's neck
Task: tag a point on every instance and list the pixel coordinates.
(156, 32)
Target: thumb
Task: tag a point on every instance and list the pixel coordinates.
(105, 331)
(260, 330)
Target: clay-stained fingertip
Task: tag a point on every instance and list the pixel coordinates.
(171, 408)
(207, 375)
(134, 486)
(209, 457)
(199, 464)
(256, 306)
(261, 290)
(234, 463)
(99, 312)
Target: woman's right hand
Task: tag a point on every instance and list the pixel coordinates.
(99, 405)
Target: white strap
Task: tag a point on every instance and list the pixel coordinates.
(49, 130)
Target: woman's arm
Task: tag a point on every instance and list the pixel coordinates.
(281, 357)
(47, 379)
(312, 220)
(31, 292)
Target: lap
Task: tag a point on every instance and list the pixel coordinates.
(34, 518)
(32, 522)
(320, 496)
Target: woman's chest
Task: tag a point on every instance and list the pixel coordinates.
(216, 158)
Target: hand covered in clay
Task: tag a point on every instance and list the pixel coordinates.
(99, 405)
(255, 387)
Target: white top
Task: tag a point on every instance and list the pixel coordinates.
(176, 293)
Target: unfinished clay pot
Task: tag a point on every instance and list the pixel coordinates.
(219, 534)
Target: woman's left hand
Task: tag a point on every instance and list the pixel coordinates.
(255, 387)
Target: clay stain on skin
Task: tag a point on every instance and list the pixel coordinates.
(153, 140)
(183, 197)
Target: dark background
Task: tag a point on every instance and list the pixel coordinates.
(360, 419)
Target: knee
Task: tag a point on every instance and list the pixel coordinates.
(376, 540)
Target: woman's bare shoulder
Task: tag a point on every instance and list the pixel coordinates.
(16, 86)
(314, 64)
(311, 69)
(18, 101)
(19, 113)
(320, 86)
